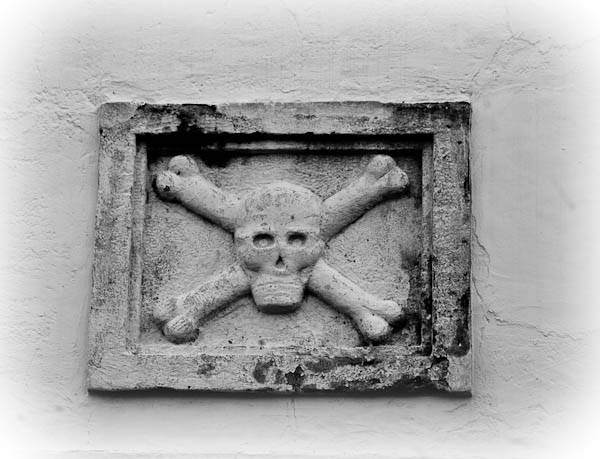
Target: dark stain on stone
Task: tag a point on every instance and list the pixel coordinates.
(439, 361)
(461, 342)
(324, 365)
(410, 258)
(205, 368)
(295, 378)
(438, 372)
(189, 116)
(302, 116)
(279, 377)
(260, 371)
(354, 385)
(467, 186)
(412, 383)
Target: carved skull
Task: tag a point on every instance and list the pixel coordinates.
(278, 242)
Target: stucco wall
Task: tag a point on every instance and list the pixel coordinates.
(530, 72)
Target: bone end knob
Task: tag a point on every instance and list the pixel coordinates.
(170, 182)
(168, 185)
(388, 309)
(183, 166)
(180, 329)
(380, 165)
(374, 329)
(383, 171)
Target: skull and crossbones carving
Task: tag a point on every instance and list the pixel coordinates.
(280, 231)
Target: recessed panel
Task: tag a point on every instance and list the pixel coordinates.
(381, 251)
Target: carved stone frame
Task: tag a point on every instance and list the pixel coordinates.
(117, 360)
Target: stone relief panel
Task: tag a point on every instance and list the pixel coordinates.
(290, 260)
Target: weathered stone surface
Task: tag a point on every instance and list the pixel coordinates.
(349, 263)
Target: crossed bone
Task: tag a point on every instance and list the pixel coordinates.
(280, 231)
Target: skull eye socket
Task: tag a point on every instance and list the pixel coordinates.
(263, 240)
(296, 239)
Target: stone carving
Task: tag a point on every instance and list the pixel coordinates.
(280, 232)
(415, 249)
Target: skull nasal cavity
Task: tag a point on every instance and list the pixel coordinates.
(279, 263)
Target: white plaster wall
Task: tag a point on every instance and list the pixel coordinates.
(530, 71)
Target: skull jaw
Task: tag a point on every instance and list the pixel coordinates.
(277, 294)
